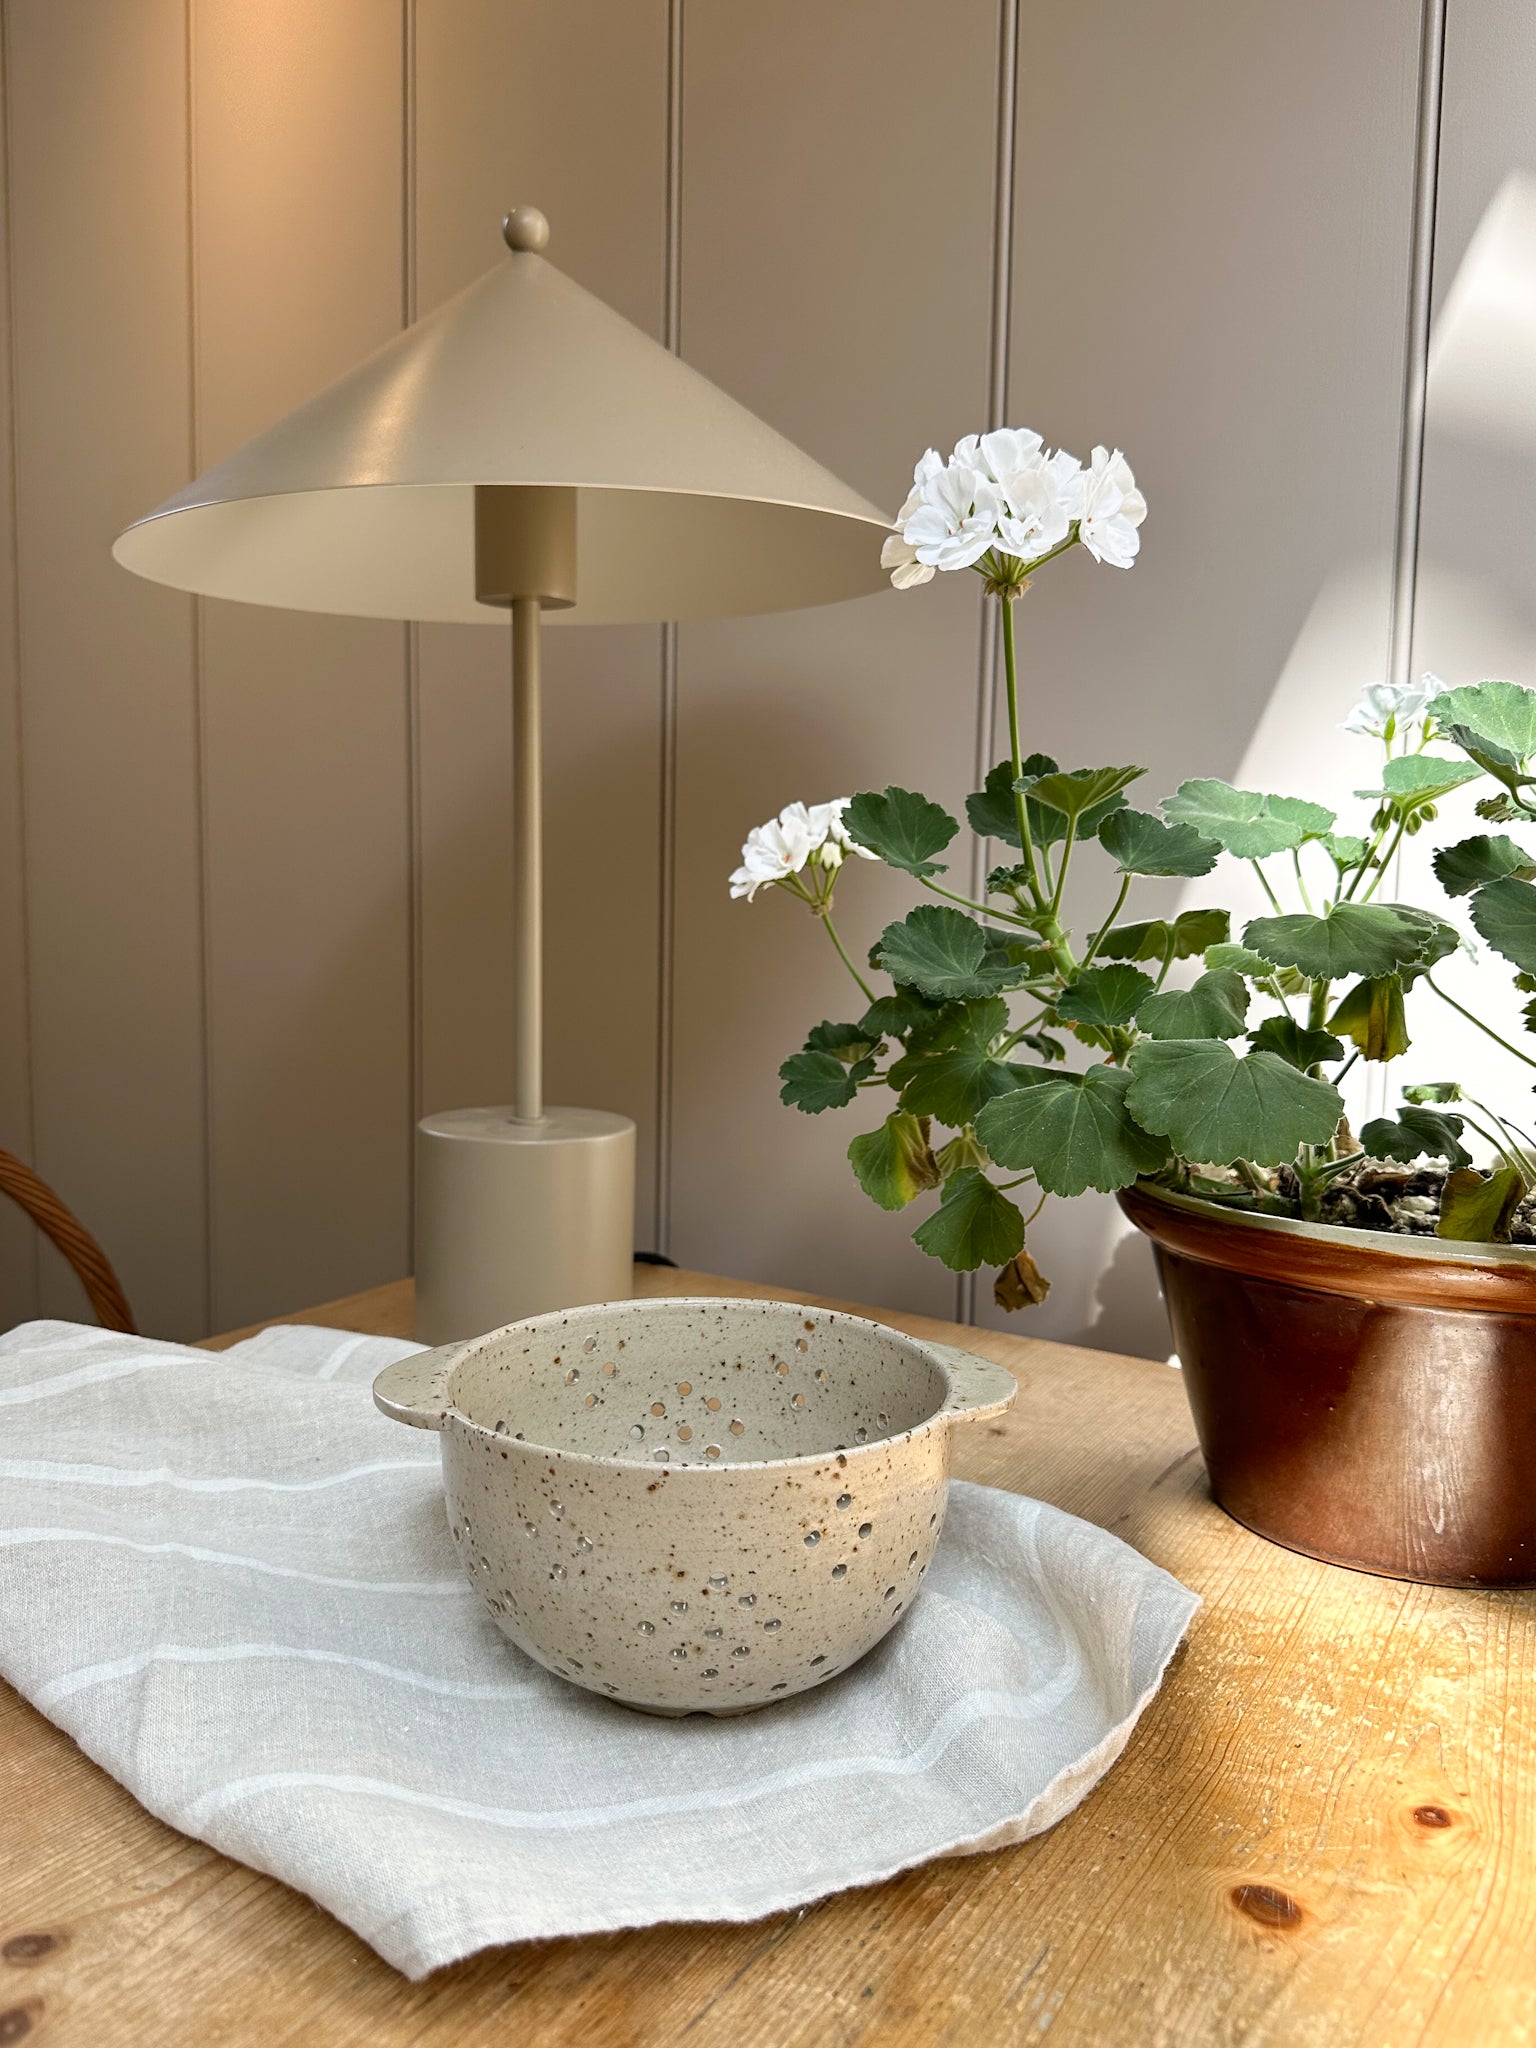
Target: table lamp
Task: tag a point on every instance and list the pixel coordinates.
(523, 449)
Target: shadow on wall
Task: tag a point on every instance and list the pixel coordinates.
(1128, 1311)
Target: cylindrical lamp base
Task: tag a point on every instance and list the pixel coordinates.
(514, 1219)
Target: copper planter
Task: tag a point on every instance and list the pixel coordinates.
(1365, 1399)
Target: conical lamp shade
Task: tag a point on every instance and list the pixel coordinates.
(362, 501)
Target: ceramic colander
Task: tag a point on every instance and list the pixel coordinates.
(695, 1505)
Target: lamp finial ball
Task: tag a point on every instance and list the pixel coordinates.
(525, 230)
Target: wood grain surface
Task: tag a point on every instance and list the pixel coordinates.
(1322, 1835)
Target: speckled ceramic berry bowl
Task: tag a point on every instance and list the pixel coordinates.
(695, 1506)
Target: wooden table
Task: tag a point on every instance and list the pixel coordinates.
(1323, 1832)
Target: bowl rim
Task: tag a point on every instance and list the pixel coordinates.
(703, 1302)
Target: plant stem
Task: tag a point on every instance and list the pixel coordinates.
(1301, 879)
(1264, 879)
(968, 903)
(1510, 1159)
(1061, 873)
(1386, 860)
(1488, 1029)
(826, 918)
(1104, 929)
(1020, 807)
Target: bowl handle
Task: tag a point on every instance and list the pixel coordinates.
(977, 1387)
(414, 1390)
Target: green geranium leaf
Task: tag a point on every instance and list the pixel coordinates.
(1214, 1107)
(1344, 850)
(1412, 780)
(1433, 1091)
(1074, 1130)
(1498, 810)
(1351, 938)
(1144, 845)
(1242, 958)
(1502, 714)
(991, 810)
(944, 953)
(1440, 940)
(1479, 1208)
(1215, 1007)
(902, 827)
(973, 1226)
(1471, 862)
(894, 1016)
(1078, 790)
(814, 1081)
(1372, 1015)
(1416, 1134)
(1316, 820)
(1190, 933)
(1302, 1048)
(1104, 996)
(1505, 913)
(845, 1042)
(1003, 881)
(1241, 820)
(954, 1074)
(895, 1163)
(1042, 1043)
(964, 1149)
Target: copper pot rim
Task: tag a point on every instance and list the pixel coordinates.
(1329, 1258)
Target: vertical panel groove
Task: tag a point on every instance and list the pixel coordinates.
(998, 345)
(408, 309)
(1410, 476)
(671, 334)
(14, 494)
(1410, 454)
(199, 721)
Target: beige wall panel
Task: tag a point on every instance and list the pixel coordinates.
(298, 114)
(1476, 613)
(98, 161)
(18, 1241)
(838, 167)
(564, 108)
(1212, 207)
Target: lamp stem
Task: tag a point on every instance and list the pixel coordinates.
(527, 865)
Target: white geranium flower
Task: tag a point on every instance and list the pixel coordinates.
(834, 842)
(1003, 452)
(950, 519)
(900, 557)
(774, 851)
(781, 848)
(1391, 705)
(1041, 498)
(1110, 509)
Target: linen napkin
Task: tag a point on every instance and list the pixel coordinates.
(230, 1579)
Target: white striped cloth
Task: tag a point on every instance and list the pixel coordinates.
(230, 1579)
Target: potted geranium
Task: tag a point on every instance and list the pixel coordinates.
(1356, 1315)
